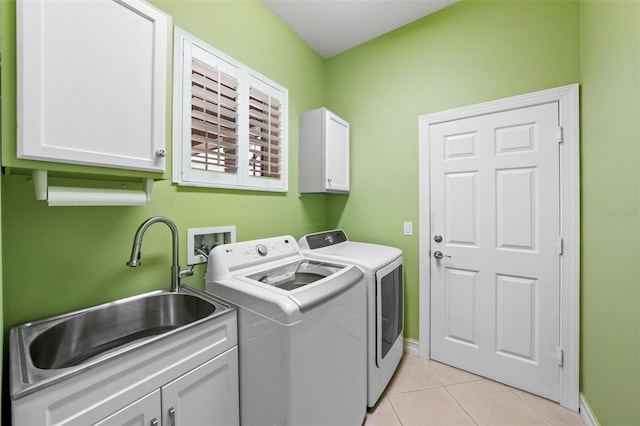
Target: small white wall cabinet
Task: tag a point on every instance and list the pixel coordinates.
(324, 152)
(92, 82)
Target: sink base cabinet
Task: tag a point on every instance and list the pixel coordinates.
(194, 371)
(207, 395)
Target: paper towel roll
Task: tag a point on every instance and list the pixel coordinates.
(71, 196)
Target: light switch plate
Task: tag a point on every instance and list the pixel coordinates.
(408, 228)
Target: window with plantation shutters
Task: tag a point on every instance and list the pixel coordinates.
(230, 122)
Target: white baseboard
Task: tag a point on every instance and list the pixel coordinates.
(411, 347)
(585, 413)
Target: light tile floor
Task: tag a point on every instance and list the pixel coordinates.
(425, 392)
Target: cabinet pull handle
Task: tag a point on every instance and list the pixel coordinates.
(154, 422)
(172, 416)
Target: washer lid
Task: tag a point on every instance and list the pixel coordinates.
(284, 306)
(308, 283)
(296, 274)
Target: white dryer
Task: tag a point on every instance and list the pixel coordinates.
(383, 270)
(302, 333)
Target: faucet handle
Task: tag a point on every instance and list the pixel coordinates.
(185, 273)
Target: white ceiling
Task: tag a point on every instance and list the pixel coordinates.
(333, 26)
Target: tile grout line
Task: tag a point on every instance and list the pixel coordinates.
(450, 394)
(395, 413)
(424, 365)
(540, 413)
(446, 388)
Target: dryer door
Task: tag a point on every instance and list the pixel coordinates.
(389, 308)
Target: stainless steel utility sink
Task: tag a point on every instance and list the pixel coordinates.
(46, 351)
(92, 333)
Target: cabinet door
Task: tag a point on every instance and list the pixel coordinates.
(207, 395)
(92, 80)
(336, 153)
(143, 412)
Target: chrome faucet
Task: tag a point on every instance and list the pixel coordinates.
(176, 273)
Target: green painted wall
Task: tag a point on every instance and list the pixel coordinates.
(57, 259)
(610, 108)
(464, 54)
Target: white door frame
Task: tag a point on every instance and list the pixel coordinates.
(568, 100)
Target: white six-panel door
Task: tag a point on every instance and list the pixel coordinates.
(495, 188)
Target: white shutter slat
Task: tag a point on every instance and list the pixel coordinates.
(273, 125)
(198, 140)
(214, 130)
(230, 106)
(213, 86)
(204, 153)
(229, 111)
(213, 119)
(205, 69)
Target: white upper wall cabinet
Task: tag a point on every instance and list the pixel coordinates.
(324, 152)
(92, 80)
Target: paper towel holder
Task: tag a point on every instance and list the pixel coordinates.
(72, 196)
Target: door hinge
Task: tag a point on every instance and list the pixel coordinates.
(560, 246)
(560, 356)
(559, 134)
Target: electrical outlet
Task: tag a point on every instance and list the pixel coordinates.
(204, 239)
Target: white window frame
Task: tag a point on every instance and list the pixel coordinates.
(187, 47)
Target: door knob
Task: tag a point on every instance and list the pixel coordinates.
(438, 255)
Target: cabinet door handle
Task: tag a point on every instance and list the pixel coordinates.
(154, 422)
(172, 416)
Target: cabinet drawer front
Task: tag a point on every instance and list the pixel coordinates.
(140, 413)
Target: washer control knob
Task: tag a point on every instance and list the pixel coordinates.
(261, 249)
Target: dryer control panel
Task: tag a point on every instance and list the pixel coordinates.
(226, 258)
(323, 239)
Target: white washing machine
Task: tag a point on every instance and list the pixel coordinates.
(302, 333)
(383, 270)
